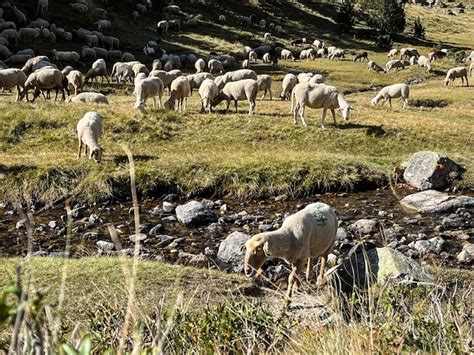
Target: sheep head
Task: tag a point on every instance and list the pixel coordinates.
(255, 254)
(96, 154)
(346, 110)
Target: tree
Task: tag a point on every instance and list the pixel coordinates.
(385, 16)
(418, 29)
(345, 17)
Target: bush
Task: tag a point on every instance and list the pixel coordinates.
(386, 17)
(345, 17)
(418, 29)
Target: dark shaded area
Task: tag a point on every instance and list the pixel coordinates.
(429, 103)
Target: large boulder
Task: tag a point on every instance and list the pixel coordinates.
(432, 201)
(194, 214)
(430, 170)
(378, 265)
(230, 255)
(466, 256)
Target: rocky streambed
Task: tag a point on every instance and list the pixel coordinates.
(179, 231)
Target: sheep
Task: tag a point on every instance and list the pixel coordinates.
(139, 77)
(30, 34)
(122, 72)
(208, 91)
(100, 52)
(162, 27)
(75, 81)
(89, 130)
(80, 8)
(10, 34)
(179, 91)
(330, 50)
(336, 54)
(95, 72)
(88, 53)
(12, 77)
(245, 89)
(215, 67)
(27, 51)
(264, 82)
(191, 60)
(406, 53)
(453, 73)
(266, 58)
(298, 41)
(267, 36)
(18, 59)
(166, 77)
(66, 70)
(471, 69)
(392, 54)
(4, 51)
(196, 80)
(413, 61)
(235, 76)
(392, 92)
(114, 55)
(470, 57)
(89, 98)
(103, 25)
(39, 23)
(316, 79)
(110, 42)
(156, 65)
(308, 54)
(246, 64)
(289, 82)
(42, 7)
(309, 233)
(318, 96)
(31, 64)
(287, 55)
(222, 18)
(394, 64)
(424, 62)
(127, 57)
(361, 54)
(140, 68)
(44, 79)
(70, 57)
(145, 89)
(318, 44)
(168, 66)
(253, 56)
(200, 65)
(436, 55)
(374, 67)
(278, 29)
(304, 77)
(263, 24)
(7, 25)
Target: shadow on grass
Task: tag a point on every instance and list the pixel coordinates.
(122, 159)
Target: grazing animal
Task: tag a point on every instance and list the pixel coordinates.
(245, 89)
(145, 89)
(207, 91)
(179, 91)
(361, 55)
(392, 92)
(89, 130)
(289, 82)
(454, 73)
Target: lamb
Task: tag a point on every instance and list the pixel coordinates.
(392, 92)
(289, 82)
(425, 63)
(360, 55)
(215, 67)
(200, 65)
(309, 233)
(89, 98)
(235, 76)
(179, 91)
(89, 130)
(394, 64)
(392, 54)
(245, 89)
(44, 79)
(374, 67)
(318, 96)
(70, 57)
(196, 80)
(145, 89)
(287, 55)
(453, 73)
(12, 77)
(264, 82)
(75, 81)
(208, 91)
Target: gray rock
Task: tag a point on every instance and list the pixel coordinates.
(94, 219)
(163, 240)
(194, 213)
(21, 224)
(341, 234)
(433, 245)
(364, 226)
(199, 260)
(52, 224)
(137, 237)
(156, 229)
(430, 170)
(230, 255)
(466, 256)
(171, 197)
(431, 201)
(103, 245)
(168, 207)
(170, 219)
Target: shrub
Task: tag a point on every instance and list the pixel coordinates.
(418, 29)
(345, 17)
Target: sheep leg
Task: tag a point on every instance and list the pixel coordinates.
(302, 107)
(227, 108)
(236, 106)
(79, 150)
(323, 117)
(333, 112)
(86, 150)
(154, 103)
(270, 92)
(202, 106)
(321, 270)
(295, 113)
(289, 291)
(390, 102)
(309, 269)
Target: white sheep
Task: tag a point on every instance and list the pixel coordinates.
(235, 76)
(336, 54)
(88, 98)
(424, 62)
(66, 70)
(264, 82)
(454, 73)
(307, 234)
(196, 80)
(208, 91)
(287, 55)
(392, 54)
(307, 54)
(215, 66)
(138, 78)
(304, 77)
(121, 72)
(75, 81)
(253, 56)
(267, 36)
(246, 89)
(89, 130)
(318, 96)
(166, 77)
(70, 57)
(10, 78)
(44, 79)
(162, 27)
(394, 64)
(318, 43)
(374, 67)
(148, 88)
(471, 69)
(156, 65)
(222, 18)
(200, 65)
(140, 68)
(288, 83)
(179, 91)
(246, 64)
(392, 92)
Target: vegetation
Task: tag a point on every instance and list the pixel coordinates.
(346, 16)
(418, 29)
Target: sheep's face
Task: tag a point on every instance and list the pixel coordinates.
(96, 154)
(140, 106)
(374, 101)
(346, 112)
(254, 255)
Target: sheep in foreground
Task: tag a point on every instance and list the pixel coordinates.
(264, 82)
(392, 92)
(361, 55)
(138, 78)
(10, 78)
(289, 82)
(44, 79)
(179, 91)
(75, 81)
(424, 62)
(196, 80)
(394, 64)
(208, 92)
(307, 234)
(89, 130)
(88, 98)
(316, 79)
(374, 67)
(318, 96)
(245, 89)
(454, 73)
(145, 89)
(237, 75)
(31, 64)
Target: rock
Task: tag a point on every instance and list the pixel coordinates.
(163, 240)
(156, 211)
(208, 203)
(466, 255)
(281, 198)
(194, 214)
(364, 226)
(94, 219)
(170, 219)
(199, 260)
(431, 201)
(341, 234)
(430, 170)
(103, 245)
(156, 229)
(171, 198)
(137, 237)
(434, 245)
(21, 224)
(168, 207)
(52, 224)
(216, 228)
(230, 255)
(384, 264)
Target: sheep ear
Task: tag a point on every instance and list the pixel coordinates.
(352, 108)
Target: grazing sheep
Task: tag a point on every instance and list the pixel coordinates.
(127, 57)
(35, 63)
(104, 25)
(289, 82)
(88, 53)
(392, 92)
(374, 67)
(30, 34)
(139, 77)
(10, 78)
(298, 41)
(42, 7)
(10, 34)
(235, 76)
(75, 81)
(307, 54)
(264, 82)
(162, 27)
(318, 96)
(454, 73)
(122, 72)
(360, 55)
(208, 91)
(200, 65)
(70, 57)
(392, 54)
(309, 233)
(336, 54)
(222, 18)
(317, 79)
(318, 44)
(304, 77)
(437, 55)
(266, 58)
(140, 68)
(179, 91)
(145, 89)
(196, 80)
(287, 55)
(89, 130)
(394, 64)
(79, 7)
(20, 59)
(88, 98)
(166, 77)
(246, 89)
(424, 62)
(406, 53)
(253, 56)
(44, 79)
(215, 67)
(67, 70)
(93, 73)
